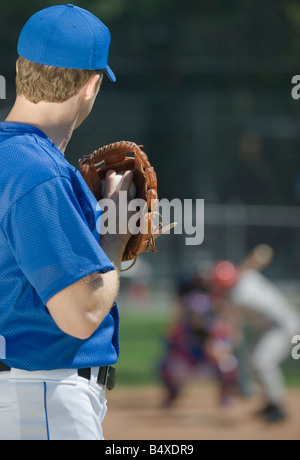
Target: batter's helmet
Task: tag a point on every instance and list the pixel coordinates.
(224, 275)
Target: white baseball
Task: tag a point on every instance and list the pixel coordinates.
(118, 179)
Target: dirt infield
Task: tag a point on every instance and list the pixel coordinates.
(135, 414)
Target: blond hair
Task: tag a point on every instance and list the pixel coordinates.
(38, 82)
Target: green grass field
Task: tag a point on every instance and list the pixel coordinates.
(141, 339)
(141, 345)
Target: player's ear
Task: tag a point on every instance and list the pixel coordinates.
(91, 88)
(17, 66)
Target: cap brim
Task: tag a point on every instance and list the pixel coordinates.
(110, 74)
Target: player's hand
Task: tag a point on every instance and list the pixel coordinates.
(112, 188)
(114, 244)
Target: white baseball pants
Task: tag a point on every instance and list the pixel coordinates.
(272, 349)
(51, 405)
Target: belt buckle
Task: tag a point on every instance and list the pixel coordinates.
(109, 378)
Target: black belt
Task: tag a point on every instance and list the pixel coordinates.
(4, 367)
(106, 375)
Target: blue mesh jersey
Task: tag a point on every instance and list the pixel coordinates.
(48, 241)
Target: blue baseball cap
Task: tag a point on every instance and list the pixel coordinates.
(66, 36)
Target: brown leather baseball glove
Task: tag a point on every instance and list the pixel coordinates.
(120, 157)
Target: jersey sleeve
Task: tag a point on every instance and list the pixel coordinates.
(51, 239)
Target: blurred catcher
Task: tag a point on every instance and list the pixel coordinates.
(199, 343)
(244, 291)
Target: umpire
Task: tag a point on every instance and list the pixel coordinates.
(58, 317)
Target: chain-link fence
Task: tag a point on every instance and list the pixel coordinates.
(206, 88)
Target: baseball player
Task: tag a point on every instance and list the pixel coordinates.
(265, 307)
(58, 317)
(198, 344)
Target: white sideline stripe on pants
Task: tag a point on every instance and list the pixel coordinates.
(55, 405)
